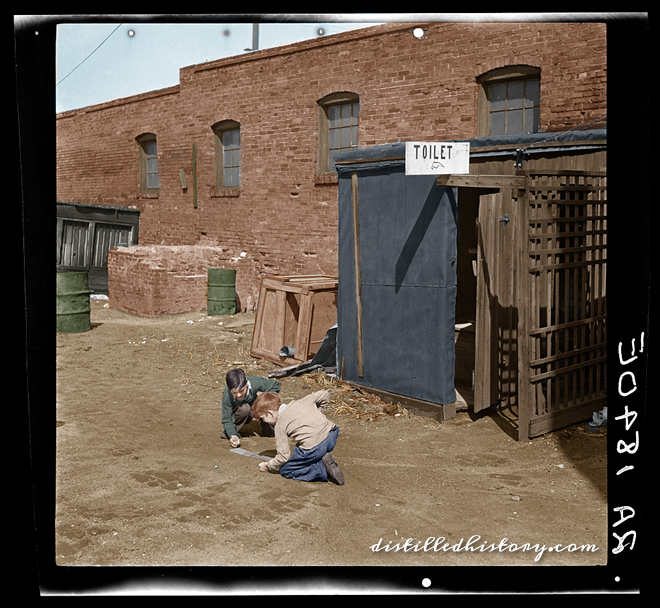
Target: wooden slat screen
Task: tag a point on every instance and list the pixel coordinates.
(567, 314)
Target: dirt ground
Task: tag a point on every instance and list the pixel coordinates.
(143, 477)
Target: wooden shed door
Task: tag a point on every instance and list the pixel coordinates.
(566, 319)
(540, 335)
(496, 339)
(105, 237)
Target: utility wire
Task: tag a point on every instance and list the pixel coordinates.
(88, 56)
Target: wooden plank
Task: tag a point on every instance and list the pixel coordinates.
(565, 265)
(526, 391)
(271, 283)
(515, 182)
(579, 351)
(310, 279)
(315, 282)
(419, 407)
(486, 391)
(259, 320)
(551, 328)
(369, 160)
(556, 420)
(304, 328)
(482, 327)
(545, 188)
(507, 259)
(567, 333)
(555, 373)
(268, 356)
(541, 404)
(582, 249)
(286, 371)
(358, 271)
(330, 285)
(60, 239)
(558, 220)
(302, 286)
(550, 222)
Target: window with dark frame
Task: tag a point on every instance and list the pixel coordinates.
(510, 101)
(149, 179)
(339, 117)
(228, 154)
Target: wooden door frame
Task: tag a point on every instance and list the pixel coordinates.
(486, 391)
(520, 184)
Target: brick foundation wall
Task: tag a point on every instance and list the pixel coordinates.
(284, 216)
(153, 280)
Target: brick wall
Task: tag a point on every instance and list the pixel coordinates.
(285, 216)
(153, 280)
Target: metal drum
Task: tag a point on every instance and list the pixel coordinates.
(72, 300)
(221, 298)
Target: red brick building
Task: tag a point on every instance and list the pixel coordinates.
(237, 158)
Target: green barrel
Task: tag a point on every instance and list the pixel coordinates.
(72, 300)
(221, 298)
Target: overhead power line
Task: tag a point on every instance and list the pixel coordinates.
(88, 56)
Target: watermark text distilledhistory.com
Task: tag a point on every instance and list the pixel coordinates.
(440, 543)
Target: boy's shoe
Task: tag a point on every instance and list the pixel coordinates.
(335, 474)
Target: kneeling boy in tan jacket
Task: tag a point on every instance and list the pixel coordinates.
(303, 421)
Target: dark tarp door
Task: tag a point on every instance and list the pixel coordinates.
(407, 243)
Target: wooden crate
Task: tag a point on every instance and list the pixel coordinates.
(293, 311)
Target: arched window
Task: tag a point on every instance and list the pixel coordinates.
(227, 154)
(509, 101)
(338, 128)
(149, 181)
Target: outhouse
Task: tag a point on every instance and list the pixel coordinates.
(480, 290)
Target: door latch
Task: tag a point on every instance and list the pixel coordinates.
(505, 219)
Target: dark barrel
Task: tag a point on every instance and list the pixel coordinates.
(221, 297)
(72, 300)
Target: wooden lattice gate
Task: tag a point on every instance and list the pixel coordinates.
(562, 363)
(540, 337)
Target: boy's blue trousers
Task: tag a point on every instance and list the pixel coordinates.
(306, 465)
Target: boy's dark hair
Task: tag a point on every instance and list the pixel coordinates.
(235, 379)
(265, 402)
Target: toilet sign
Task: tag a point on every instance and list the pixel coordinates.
(440, 158)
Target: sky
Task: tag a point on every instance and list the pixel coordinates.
(100, 58)
(98, 62)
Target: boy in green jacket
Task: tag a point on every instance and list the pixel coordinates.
(237, 399)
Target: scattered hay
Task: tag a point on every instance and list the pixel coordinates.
(342, 409)
(353, 404)
(324, 381)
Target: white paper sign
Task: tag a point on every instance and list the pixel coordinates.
(423, 158)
